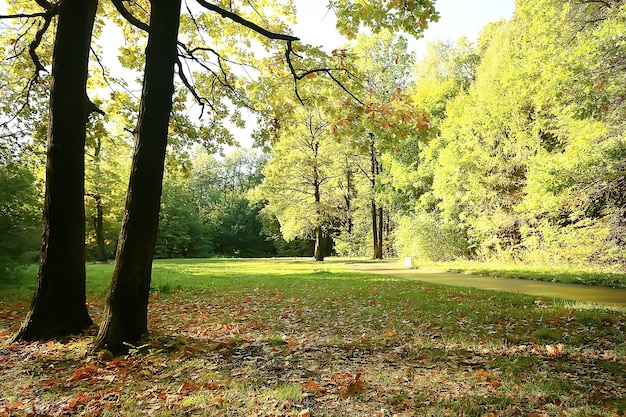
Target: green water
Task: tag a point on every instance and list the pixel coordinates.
(600, 295)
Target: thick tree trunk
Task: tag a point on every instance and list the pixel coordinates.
(59, 304)
(126, 311)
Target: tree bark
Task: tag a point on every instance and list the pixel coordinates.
(59, 305)
(381, 227)
(98, 219)
(98, 224)
(348, 200)
(377, 246)
(126, 312)
(376, 225)
(318, 253)
(319, 244)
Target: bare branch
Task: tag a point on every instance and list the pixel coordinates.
(250, 25)
(190, 54)
(26, 93)
(255, 10)
(202, 102)
(23, 15)
(126, 14)
(48, 15)
(223, 81)
(32, 48)
(289, 51)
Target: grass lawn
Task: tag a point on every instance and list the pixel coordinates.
(290, 337)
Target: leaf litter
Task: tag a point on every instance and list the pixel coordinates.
(372, 350)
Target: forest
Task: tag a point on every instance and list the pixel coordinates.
(150, 266)
(510, 147)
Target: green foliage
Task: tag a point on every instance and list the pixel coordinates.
(107, 167)
(429, 237)
(207, 213)
(181, 232)
(20, 218)
(409, 17)
(524, 156)
(510, 147)
(300, 178)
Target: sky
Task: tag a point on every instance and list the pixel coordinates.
(458, 18)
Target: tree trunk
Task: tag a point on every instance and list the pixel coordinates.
(59, 305)
(376, 225)
(98, 224)
(126, 311)
(381, 221)
(378, 247)
(319, 244)
(98, 219)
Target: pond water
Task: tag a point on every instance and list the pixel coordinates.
(601, 295)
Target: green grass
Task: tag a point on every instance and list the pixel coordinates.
(279, 336)
(589, 276)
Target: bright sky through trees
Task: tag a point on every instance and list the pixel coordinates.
(316, 26)
(458, 18)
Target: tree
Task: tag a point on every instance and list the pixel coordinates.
(299, 179)
(383, 118)
(126, 311)
(221, 192)
(181, 232)
(445, 72)
(20, 219)
(59, 303)
(105, 165)
(575, 207)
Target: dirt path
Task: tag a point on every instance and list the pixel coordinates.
(600, 295)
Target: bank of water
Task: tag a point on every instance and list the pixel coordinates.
(611, 297)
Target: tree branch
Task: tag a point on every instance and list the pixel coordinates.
(92, 108)
(202, 102)
(44, 4)
(32, 48)
(23, 15)
(289, 39)
(126, 14)
(189, 54)
(26, 94)
(250, 25)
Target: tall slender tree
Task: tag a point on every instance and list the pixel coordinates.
(383, 119)
(300, 179)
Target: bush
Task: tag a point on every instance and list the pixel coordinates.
(427, 238)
